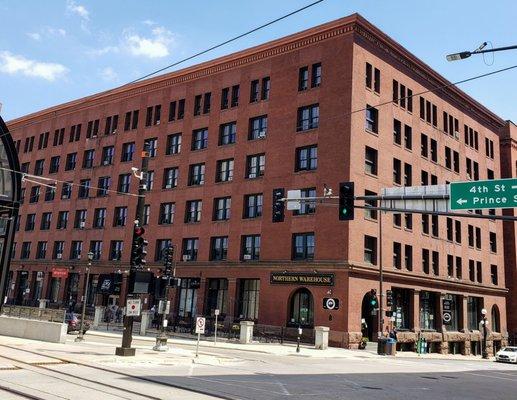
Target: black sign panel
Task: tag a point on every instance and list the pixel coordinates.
(295, 278)
(447, 305)
(194, 283)
(330, 303)
(447, 311)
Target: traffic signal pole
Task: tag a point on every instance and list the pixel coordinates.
(381, 281)
(127, 333)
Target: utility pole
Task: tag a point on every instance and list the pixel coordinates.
(127, 334)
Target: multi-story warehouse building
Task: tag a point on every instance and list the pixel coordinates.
(338, 102)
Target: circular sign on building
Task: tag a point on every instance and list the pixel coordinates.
(330, 304)
(447, 317)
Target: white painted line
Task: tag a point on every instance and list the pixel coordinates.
(491, 376)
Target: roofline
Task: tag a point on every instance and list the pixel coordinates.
(345, 25)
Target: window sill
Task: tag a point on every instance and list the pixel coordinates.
(305, 171)
(308, 130)
(371, 132)
(226, 144)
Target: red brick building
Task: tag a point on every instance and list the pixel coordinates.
(224, 135)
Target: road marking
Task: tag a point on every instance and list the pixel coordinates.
(231, 384)
(490, 376)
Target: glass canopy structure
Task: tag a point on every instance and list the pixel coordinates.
(10, 189)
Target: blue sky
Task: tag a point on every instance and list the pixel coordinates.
(58, 50)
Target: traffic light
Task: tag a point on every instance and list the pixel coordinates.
(389, 298)
(138, 251)
(346, 201)
(168, 260)
(374, 302)
(278, 206)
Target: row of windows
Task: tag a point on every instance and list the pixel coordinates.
(403, 258)
(221, 211)
(259, 91)
(306, 159)
(302, 248)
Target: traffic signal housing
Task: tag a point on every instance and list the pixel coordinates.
(138, 251)
(389, 298)
(168, 260)
(278, 205)
(346, 201)
(374, 302)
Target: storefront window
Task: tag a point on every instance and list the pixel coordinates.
(455, 303)
(249, 290)
(496, 323)
(401, 307)
(55, 283)
(187, 298)
(427, 310)
(474, 312)
(301, 308)
(217, 296)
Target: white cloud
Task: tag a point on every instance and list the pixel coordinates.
(14, 64)
(156, 46)
(103, 50)
(34, 36)
(148, 22)
(109, 75)
(77, 9)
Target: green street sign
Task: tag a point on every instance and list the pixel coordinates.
(475, 195)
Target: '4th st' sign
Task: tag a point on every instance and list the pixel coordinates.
(500, 193)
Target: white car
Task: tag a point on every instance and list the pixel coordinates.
(507, 354)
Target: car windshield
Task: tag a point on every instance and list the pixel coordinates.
(510, 349)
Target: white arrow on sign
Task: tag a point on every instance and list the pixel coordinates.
(461, 201)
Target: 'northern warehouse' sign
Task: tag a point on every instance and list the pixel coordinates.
(294, 278)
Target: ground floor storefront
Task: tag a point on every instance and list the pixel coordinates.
(448, 315)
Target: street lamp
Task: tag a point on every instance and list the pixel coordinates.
(80, 337)
(484, 322)
(466, 54)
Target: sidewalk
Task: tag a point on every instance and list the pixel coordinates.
(287, 349)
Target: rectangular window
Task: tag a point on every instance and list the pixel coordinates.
(250, 248)
(128, 149)
(59, 249)
(255, 165)
(370, 161)
(124, 181)
(111, 125)
(434, 226)
(76, 249)
(54, 165)
(120, 216)
(254, 91)
(493, 275)
(303, 78)
(306, 158)
(316, 75)
(96, 249)
(306, 207)
(303, 246)
(152, 146)
(34, 196)
(103, 186)
(235, 96)
(116, 247)
(50, 193)
(397, 255)
(172, 111)
(227, 133)
(149, 180)
(253, 205)
(206, 102)
(181, 109)
(38, 167)
(66, 190)
(408, 175)
(479, 272)
(84, 189)
(26, 250)
(218, 248)
(457, 231)
(161, 246)
(225, 94)
(199, 139)
(108, 154)
(146, 214)
(408, 257)
(257, 127)
(88, 158)
(248, 300)
(425, 261)
(266, 87)
(397, 132)
(41, 250)
(459, 268)
(222, 208)
(196, 174)
(170, 178)
(434, 150)
(493, 242)
(193, 211)
(368, 213)
(308, 117)
(99, 218)
(71, 161)
(173, 144)
(30, 222)
(397, 171)
(46, 220)
(80, 219)
(435, 260)
(372, 119)
(167, 211)
(190, 248)
(408, 137)
(370, 249)
(224, 170)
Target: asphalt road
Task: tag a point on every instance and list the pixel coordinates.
(244, 375)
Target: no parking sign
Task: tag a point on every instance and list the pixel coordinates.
(200, 325)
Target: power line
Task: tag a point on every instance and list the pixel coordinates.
(225, 42)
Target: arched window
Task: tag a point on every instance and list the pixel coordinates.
(301, 311)
(496, 322)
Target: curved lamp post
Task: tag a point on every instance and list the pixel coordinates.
(80, 337)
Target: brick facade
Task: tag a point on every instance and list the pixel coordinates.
(342, 49)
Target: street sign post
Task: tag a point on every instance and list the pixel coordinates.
(200, 328)
(475, 195)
